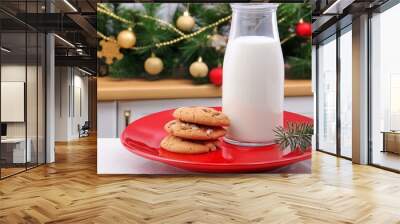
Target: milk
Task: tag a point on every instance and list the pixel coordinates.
(253, 88)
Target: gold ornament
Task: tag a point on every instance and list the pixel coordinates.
(103, 9)
(218, 41)
(109, 50)
(153, 65)
(185, 22)
(126, 38)
(198, 69)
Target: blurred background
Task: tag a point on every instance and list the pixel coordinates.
(144, 22)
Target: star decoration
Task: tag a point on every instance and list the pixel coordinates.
(109, 50)
(218, 41)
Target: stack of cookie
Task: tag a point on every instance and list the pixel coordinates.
(195, 130)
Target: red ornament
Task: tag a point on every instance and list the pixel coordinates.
(303, 29)
(215, 76)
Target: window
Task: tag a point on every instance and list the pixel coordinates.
(327, 95)
(346, 95)
(22, 78)
(385, 89)
(334, 106)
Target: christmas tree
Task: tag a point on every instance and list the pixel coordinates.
(185, 43)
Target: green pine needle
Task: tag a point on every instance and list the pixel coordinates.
(295, 136)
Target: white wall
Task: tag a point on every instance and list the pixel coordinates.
(71, 87)
(16, 72)
(12, 101)
(62, 81)
(79, 117)
(33, 126)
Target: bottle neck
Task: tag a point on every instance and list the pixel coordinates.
(254, 22)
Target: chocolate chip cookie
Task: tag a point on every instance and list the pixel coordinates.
(193, 131)
(201, 115)
(180, 145)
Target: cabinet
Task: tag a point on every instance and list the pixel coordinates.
(13, 150)
(111, 120)
(391, 141)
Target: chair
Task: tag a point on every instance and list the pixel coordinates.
(84, 130)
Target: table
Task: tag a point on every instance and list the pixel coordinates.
(113, 158)
(18, 151)
(391, 141)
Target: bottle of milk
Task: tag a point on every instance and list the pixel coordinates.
(253, 70)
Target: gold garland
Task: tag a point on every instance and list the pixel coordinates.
(199, 31)
(163, 22)
(104, 37)
(103, 9)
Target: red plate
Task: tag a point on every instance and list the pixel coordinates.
(144, 135)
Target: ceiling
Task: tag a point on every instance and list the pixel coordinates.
(35, 6)
(72, 20)
(329, 15)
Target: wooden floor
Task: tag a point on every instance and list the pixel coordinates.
(10, 171)
(69, 191)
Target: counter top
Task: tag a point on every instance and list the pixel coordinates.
(109, 89)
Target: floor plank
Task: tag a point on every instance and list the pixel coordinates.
(70, 191)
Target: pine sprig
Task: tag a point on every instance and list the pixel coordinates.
(294, 136)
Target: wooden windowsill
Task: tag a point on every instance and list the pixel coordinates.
(134, 89)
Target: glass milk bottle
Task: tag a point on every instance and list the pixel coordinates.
(253, 69)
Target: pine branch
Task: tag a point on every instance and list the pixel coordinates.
(299, 68)
(295, 136)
